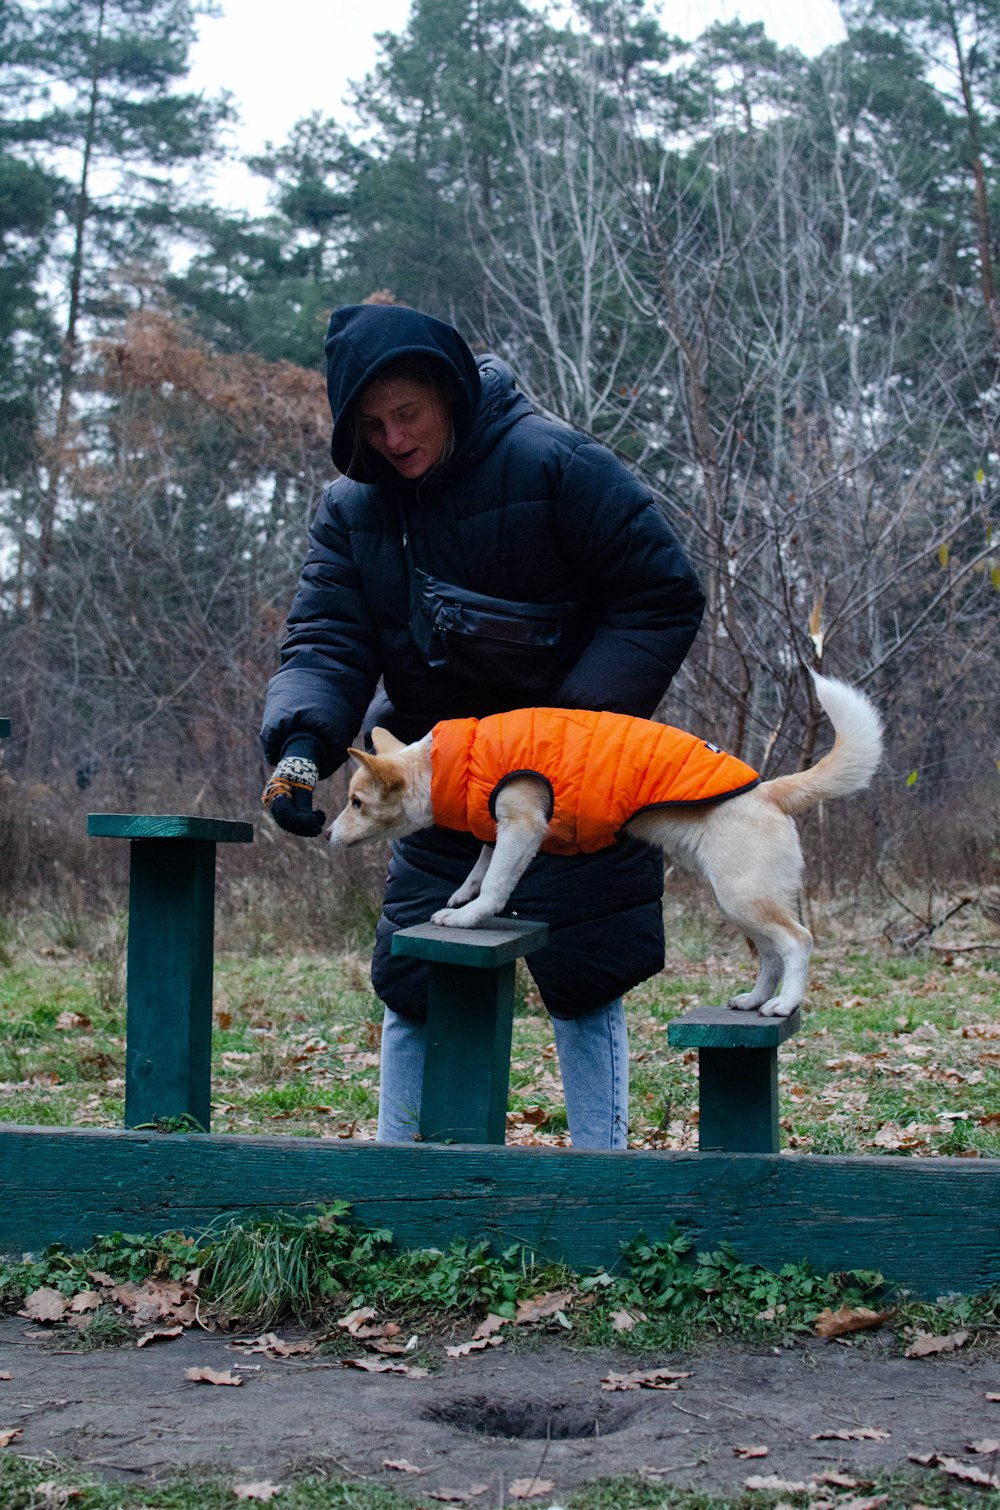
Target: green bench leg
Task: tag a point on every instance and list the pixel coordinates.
(470, 1019)
(168, 1063)
(470, 1015)
(738, 1100)
(737, 1075)
(171, 919)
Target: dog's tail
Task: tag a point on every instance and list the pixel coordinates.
(849, 766)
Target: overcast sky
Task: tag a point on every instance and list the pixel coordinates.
(282, 60)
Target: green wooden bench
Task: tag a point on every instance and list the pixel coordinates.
(470, 1014)
(737, 1075)
(171, 921)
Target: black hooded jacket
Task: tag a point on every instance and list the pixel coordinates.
(524, 510)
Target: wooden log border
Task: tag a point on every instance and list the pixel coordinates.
(931, 1225)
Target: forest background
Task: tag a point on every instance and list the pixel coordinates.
(766, 280)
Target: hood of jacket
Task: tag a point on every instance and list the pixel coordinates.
(361, 340)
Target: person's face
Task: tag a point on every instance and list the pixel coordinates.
(405, 422)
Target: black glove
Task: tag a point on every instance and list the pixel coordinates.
(288, 796)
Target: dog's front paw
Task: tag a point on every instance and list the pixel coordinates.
(467, 892)
(778, 1008)
(469, 916)
(744, 1002)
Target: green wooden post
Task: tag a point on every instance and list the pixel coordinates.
(470, 1014)
(4, 728)
(171, 918)
(737, 1075)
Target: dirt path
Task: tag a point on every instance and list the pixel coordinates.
(130, 1412)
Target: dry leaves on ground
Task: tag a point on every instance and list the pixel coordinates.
(750, 1452)
(542, 1306)
(848, 1319)
(530, 1489)
(44, 1305)
(211, 1376)
(626, 1321)
(458, 1496)
(375, 1366)
(264, 1490)
(851, 1434)
(403, 1465)
(8, 1433)
(988, 1446)
(4, 1375)
(968, 1473)
(477, 1345)
(653, 1378)
(270, 1345)
(924, 1344)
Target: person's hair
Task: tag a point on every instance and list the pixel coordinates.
(427, 374)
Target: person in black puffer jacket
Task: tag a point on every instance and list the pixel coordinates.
(471, 558)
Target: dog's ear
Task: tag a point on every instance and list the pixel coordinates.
(386, 743)
(382, 769)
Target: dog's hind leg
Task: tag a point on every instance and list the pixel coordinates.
(784, 947)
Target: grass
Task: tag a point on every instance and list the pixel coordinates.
(35, 1483)
(898, 1053)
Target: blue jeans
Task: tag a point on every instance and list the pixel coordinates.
(593, 1059)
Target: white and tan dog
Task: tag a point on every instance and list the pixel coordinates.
(746, 847)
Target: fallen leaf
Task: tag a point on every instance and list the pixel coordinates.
(6, 1376)
(354, 1324)
(458, 1496)
(463, 1349)
(542, 1306)
(851, 1434)
(44, 1305)
(772, 1481)
(68, 1020)
(530, 1489)
(654, 1378)
(86, 1300)
(625, 1321)
(987, 1446)
(54, 1496)
(848, 1319)
(8, 1433)
(750, 1452)
(272, 1346)
(160, 1334)
(372, 1366)
(490, 1324)
(993, 1396)
(100, 1278)
(264, 1490)
(872, 1502)
(969, 1473)
(924, 1344)
(401, 1465)
(211, 1376)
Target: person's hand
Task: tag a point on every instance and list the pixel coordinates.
(288, 797)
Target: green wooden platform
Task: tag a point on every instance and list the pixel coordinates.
(932, 1225)
(470, 1019)
(737, 1075)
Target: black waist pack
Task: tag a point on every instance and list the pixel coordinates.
(519, 645)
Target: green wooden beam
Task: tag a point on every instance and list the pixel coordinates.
(4, 728)
(931, 1225)
(470, 1013)
(737, 1075)
(171, 917)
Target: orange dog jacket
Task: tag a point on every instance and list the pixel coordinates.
(601, 769)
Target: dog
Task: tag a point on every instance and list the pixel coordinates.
(742, 839)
